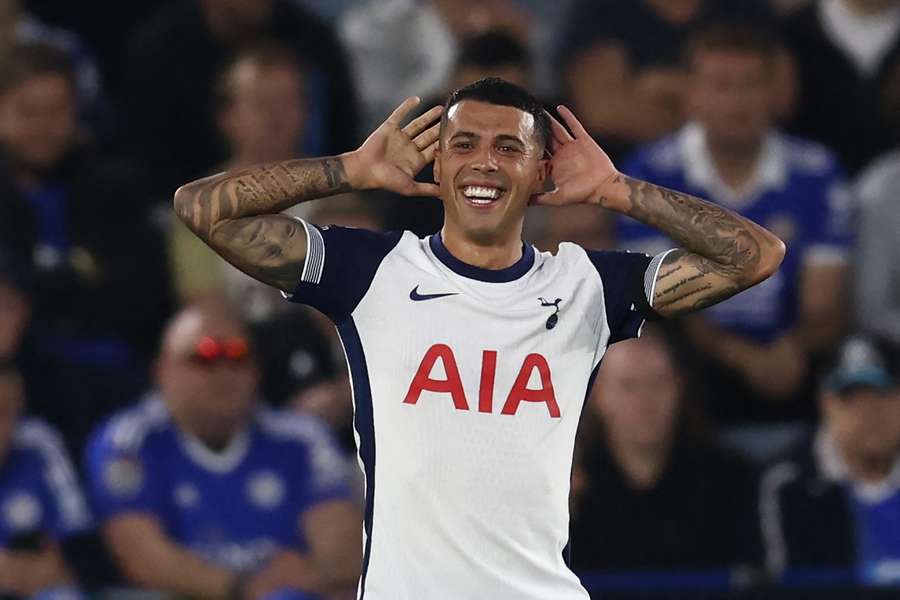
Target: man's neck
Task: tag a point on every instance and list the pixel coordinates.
(491, 254)
(642, 464)
(215, 436)
(735, 164)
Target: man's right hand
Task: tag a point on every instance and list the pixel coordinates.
(393, 155)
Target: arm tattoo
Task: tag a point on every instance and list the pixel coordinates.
(236, 214)
(728, 243)
(721, 252)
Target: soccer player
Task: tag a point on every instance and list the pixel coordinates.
(470, 352)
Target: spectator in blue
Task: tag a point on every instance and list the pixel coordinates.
(43, 514)
(754, 349)
(200, 492)
(834, 501)
(66, 213)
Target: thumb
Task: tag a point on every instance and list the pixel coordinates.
(423, 189)
(545, 198)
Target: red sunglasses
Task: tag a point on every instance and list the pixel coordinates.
(210, 351)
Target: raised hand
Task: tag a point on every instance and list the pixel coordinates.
(579, 167)
(392, 156)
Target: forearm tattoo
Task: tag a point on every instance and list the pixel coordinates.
(237, 214)
(720, 250)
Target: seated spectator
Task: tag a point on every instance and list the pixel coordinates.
(847, 54)
(648, 493)
(261, 99)
(67, 215)
(402, 48)
(42, 509)
(621, 63)
(19, 27)
(754, 349)
(176, 56)
(876, 301)
(202, 493)
(834, 501)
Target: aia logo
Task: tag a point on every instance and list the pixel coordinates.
(422, 381)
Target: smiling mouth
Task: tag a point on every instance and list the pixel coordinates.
(482, 196)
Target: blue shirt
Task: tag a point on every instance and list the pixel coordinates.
(877, 526)
(236, 508)
(39, 489)
(798, 192)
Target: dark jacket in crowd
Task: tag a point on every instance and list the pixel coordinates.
(99, 297)
(855, 115)
(174, 62)
(805, 516)
(700, 514)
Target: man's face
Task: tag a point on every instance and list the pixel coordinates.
(732, 96)
(637, 392)
(15, 314)
(38, 120)
(12, 398)
(489, 164)
(865, 422)
(266, 117)
(202, 374)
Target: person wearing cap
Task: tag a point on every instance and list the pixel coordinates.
(835, 501)
(202, 493)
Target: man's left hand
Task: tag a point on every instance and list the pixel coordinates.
(579, 167)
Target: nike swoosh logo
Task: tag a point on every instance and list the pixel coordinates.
(415, 296)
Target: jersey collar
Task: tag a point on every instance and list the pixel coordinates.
(459, 267)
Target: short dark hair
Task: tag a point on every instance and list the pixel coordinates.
(24, 61)
(494, 90)
(265, 54)
(742, 35)
(492, 49)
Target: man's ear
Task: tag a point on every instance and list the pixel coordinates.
(543, 177)
(436, 169)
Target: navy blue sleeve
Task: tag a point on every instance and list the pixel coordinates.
(623, 275)
(340, 265)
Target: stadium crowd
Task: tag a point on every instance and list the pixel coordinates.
(169, 424)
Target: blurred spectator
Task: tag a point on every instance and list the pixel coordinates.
(754, 348)
(877, 295)
(848, 59)
(42, 508)
(621, 63)
(649, 493)
(15, 308)
(835, 501)
(201, 493)
(174, 62)
(19, 27)
(261, 100)
(69, 215)
(406, 48)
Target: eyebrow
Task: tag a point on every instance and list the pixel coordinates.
(503, 137)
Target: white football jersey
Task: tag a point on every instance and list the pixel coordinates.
(468, 386)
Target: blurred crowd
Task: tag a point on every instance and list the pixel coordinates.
(168, 424)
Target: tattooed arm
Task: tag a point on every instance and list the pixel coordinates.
(237, 214)
(721, 252)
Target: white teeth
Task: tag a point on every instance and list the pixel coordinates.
(477, 192)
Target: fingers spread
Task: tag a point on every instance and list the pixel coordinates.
(560, 134)
(401, 111)
(428, 137)
(418, 124)
(573, 123)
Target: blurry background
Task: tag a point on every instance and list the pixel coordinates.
(149, 393)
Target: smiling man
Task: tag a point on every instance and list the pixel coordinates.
(470, 352)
